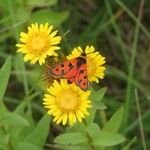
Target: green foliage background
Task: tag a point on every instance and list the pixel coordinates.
(113, 27)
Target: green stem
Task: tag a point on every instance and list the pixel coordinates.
(89, 137)
(90, 142)
(131, 67)
(140, 120)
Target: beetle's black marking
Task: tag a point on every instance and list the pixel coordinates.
(70, 65)
(57, 69)
(83, 54)
(85, 77)
(69, 81)
(62, 65)
(80, 81)
(84, 83)
(80, 61)
(81, 71)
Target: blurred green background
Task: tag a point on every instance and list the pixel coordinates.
(112, 27)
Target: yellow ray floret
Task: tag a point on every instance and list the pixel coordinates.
(67, 103)
(95, 62)
(38, 43)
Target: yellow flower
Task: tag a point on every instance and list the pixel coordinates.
(94, 60)
(66, 102)
(38, 43)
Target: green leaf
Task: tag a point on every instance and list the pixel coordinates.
(40, 133)
(27, 130)
(18, 66)
(98, 105)
(3, 109)
(4, 76)
(114, 122)
(27, 145)
(108, 139)
(72, 147)
(70, 138)
(90, 118)
(13, 119)
(92, 129)
(53, 18)
(4, 138)
(99, 94)
(41, 3)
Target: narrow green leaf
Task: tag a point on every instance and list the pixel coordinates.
(18, 66)
(114, 122)
(99, 94)
(3, 109)
(13, 119)
(27, 145)
(21, 68)
(4, 76)
(108, 139)
(70, 138)
(92, 129)
(53, 18)
(98, 105)
(40, 133)
(90, 118)
(41, 3)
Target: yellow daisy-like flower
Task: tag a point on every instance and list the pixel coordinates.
(38, 43)
(94, 60)
(66, 102)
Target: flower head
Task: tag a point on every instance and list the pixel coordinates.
(38, 43)
(66, 102)
(94, 60)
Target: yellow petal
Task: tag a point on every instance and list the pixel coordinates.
(28, 57)
(56, 40)
(65, 116)
(53, 34)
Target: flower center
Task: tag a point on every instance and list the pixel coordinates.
(38, 43)
(69, 100)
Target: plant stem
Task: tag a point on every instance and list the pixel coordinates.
(140, 119)
(90, 142)
(131, 67)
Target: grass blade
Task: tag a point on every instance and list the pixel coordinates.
(4, 76)
(131, 67)
(140, 120)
